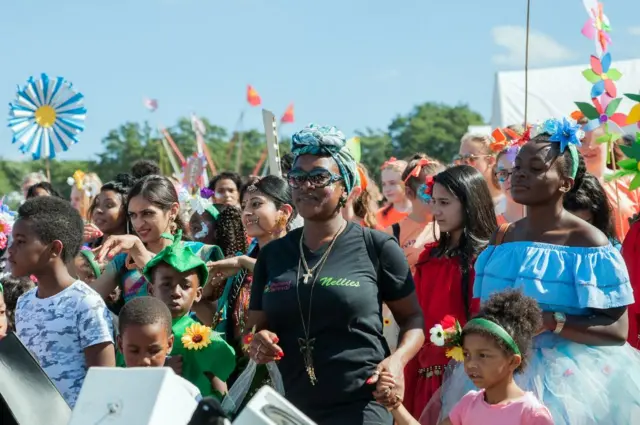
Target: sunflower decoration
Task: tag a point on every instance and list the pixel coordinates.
(247, 339)
(630, 166)
(386, 321)
(196, 337)
(46, 117)
(448, 334)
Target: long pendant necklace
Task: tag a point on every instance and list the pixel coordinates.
(310, 271)
(307, 343)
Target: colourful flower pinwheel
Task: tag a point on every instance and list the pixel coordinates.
(597, 28)
(602, 76)
(603, 114)
(46, 116)
(634, 114)
(630, 166)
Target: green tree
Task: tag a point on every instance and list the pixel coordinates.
(432, 128)
(375, 147)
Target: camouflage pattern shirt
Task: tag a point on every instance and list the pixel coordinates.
(57, 330)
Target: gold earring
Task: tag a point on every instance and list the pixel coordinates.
(281, 222)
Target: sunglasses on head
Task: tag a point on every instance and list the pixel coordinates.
(317, 178)
(468, 159)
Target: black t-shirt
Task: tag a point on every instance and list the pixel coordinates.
(346, 320)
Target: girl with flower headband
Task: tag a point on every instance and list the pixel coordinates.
(495, 345)
(444, 276)
(580, 367)
(418, 228)
(398, 206)
(624, 201)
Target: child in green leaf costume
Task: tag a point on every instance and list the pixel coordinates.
(177, 275)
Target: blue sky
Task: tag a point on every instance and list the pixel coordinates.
(351, 63)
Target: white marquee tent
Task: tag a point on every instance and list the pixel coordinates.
(553, 91)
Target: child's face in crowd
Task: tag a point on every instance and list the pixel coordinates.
(145, 345)
(108, 214)
(392, 185)
(446, 209)
(3, 317)
(203, 228)
(485, 362)
(28, 254)
(177, 290)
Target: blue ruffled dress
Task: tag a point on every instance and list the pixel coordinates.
(579, 384)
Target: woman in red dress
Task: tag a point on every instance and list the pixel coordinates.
(462, 206)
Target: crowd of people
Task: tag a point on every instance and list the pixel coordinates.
(495, 289)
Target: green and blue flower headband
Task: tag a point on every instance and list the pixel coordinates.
(567, 133)
(448, 334)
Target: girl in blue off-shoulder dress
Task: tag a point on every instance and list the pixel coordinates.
(581, 367)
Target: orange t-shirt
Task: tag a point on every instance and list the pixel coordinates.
(393, 216)
(413, 238)
(626, 207)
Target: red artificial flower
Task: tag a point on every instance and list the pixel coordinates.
(448, 322)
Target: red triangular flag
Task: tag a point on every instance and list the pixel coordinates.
(253, 97)
(287, 117)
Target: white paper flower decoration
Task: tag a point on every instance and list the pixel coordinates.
(437, 335)
(46, 117)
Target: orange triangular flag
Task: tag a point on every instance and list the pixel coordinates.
(287, 117)
(253, 97)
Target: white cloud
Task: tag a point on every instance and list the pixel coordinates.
(543, 50)
(634, 31)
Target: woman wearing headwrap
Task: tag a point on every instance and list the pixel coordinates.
(317, 294)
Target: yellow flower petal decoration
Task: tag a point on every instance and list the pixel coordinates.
(387, 322)
(456, 354)
(196, 337)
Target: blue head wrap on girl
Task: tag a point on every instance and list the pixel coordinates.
(323, 140)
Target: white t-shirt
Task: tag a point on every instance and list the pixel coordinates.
(57, 330)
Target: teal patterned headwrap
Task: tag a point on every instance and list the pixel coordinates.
(324, 140)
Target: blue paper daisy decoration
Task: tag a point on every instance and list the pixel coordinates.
(46, 117)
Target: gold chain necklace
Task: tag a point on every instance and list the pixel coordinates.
(306, 343)
(310, 271)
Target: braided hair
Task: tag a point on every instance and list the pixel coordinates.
(231, 235)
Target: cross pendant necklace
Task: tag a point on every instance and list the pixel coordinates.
(306, 348)
(307, 276)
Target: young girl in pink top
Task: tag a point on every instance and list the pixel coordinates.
(496, 345)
